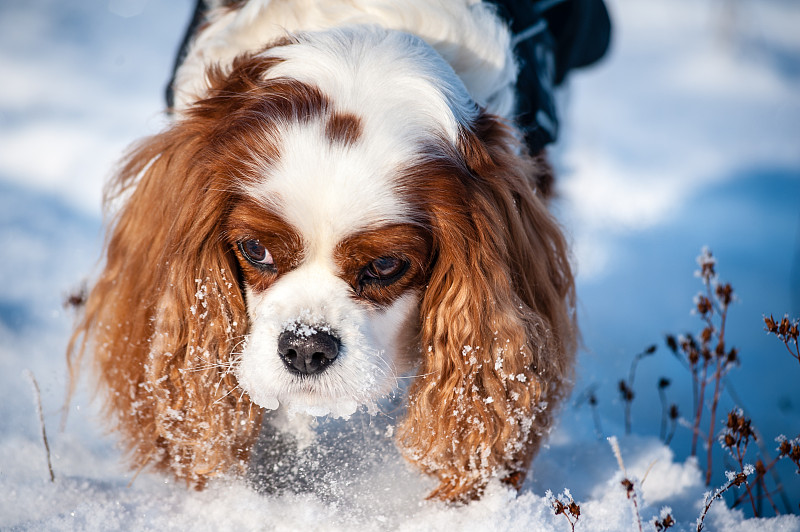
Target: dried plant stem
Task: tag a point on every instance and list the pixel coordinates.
(741, 451)
(712, 421)
(698, 414)
(38, 396)
(720, 370)
(626, 387)
(598, 428)
(589, 396)
(760, 484)
(673, 426)
(710, 500)
(695, 399)
(636, 510)
(628, 417)
(796, 352)
(664, 413)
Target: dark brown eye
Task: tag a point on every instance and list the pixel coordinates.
(256, 254)
(385, 270)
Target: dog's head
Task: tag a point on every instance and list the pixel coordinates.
(334, 212)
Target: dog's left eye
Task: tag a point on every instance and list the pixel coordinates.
(385, 270)
(255, 253)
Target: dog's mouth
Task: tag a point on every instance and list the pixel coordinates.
(307, 399)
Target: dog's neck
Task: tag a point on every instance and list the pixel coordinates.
(466, 33)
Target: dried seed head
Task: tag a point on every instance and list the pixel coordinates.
(703, 305)
(739, 427)
(628, 485)
(770, 323)
(672, 343)
(724, 294)
(574, 509)
(785, 448)
(720, 349)
(665, 523)
(706, 261)
(784, 326)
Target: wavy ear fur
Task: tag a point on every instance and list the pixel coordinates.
(166, 315)
(498, 333)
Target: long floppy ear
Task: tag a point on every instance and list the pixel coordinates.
(164, 319)
(498, 332)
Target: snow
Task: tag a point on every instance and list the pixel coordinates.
(687, 135)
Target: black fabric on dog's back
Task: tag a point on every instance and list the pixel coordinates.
(552, 37)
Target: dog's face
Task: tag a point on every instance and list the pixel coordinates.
(332, 242)
(334, 210)
(333, 267)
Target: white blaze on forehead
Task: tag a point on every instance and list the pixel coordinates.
(403, 94)
(328, 191)
(402, 88)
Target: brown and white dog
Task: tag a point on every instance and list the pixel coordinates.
(340, 199)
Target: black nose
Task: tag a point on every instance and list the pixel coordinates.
(307, 354)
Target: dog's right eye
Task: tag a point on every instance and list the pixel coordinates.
(255, 253)
(384, 270)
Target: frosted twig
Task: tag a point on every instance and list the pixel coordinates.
(734, 479)
(626, 482)
(566, 507)
(38, 396)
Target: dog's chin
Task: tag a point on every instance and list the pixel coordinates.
(311, 396)
(358, 379)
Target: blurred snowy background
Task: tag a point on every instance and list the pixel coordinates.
(687, 135)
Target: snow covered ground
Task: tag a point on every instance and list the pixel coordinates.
(687, 135)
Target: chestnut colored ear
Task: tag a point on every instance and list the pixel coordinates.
(498, 333)
(164, 319)
(166, 315)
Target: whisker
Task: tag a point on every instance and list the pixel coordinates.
(418, 375)
(227, 394)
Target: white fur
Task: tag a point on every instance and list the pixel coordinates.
(466, 33)
(393, 80)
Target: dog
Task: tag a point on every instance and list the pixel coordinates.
(340, 199)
